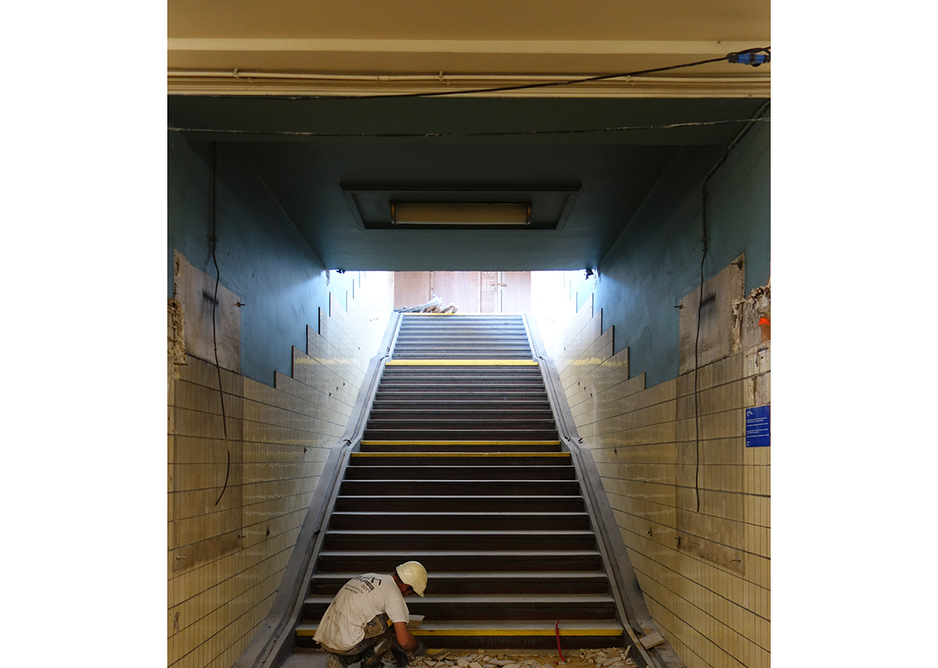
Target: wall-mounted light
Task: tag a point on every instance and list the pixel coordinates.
(462, 214)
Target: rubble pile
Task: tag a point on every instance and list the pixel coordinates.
(613, 657)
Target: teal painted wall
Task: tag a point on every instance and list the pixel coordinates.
(656, 260)
(261, 256)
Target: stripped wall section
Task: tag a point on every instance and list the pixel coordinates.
(694, 516)
(229, 542)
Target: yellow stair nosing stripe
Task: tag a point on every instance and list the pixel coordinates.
(460, 454)
(460, 362)
(517, 632)
(309, 632)
(431, 442)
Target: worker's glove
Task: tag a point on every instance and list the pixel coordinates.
(421, 649)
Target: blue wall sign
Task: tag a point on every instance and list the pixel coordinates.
(758, 433)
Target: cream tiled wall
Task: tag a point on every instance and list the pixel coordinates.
(705, 573)
(228, 550)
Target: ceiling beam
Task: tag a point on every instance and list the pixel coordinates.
(540, 68)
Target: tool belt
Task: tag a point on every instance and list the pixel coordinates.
(384, 639)
(374, 628)
(377, 626)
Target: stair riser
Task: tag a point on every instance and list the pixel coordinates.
(387, 473)
(476, 341)
(491, 522)
(463, 354)
(470, 374)
(416, 384)
(449, 612)
(456, 390)
(477, 562)
(380, 542)
(461, 434)
(429, 460)
(452, 424)
(463, 350)
(482, 587)
(442, 398)
(482, 504)
(482, 326)
(447, 415)
(459, 404)
(498, 448)
(495, 642)
(473, 342)
(447, 487)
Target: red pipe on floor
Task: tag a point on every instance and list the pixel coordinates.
(557, 631)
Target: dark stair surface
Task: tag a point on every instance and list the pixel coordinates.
(461, 468)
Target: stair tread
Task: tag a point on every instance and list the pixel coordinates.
(494, 599)
(495, 575)
(392, 469)
(466, 498)
(492, 627)
(547, 533)
(377, 554)
(468, 455)
(464, 481)
(381, 513)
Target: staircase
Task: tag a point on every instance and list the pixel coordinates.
(461, 468)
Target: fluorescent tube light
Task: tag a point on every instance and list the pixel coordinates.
(467, 214)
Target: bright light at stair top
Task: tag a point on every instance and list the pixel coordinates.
(467, 214)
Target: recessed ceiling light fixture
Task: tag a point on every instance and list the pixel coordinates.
(463, 214)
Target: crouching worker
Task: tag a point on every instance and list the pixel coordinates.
(368, 618)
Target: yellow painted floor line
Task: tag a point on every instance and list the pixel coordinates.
(436, 362)
(460, 454)
(460, 442)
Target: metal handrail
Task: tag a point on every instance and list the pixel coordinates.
(630, 601)
(275, 639)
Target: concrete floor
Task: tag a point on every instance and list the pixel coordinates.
(306, 658)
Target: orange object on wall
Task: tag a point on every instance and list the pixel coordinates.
(766, 325)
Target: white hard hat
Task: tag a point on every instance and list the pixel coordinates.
(414, 574)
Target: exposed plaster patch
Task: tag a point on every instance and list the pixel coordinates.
(176, 347)
(195, 292)
(752, 318)
(720, 295)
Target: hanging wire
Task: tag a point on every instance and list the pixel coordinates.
(221, 393)
(444, 135)
(705, 194)
(735, 57)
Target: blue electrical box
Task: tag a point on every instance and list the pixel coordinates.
(758, 431)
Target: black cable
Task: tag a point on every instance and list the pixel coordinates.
(434, 135)
(743, 57)
(221, 393)
(697, 362)
(705, 194)
(567, 82)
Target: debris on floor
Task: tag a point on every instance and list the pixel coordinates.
(613, 657)
(435, 305)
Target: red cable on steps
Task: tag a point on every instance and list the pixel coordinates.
(557, 631)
